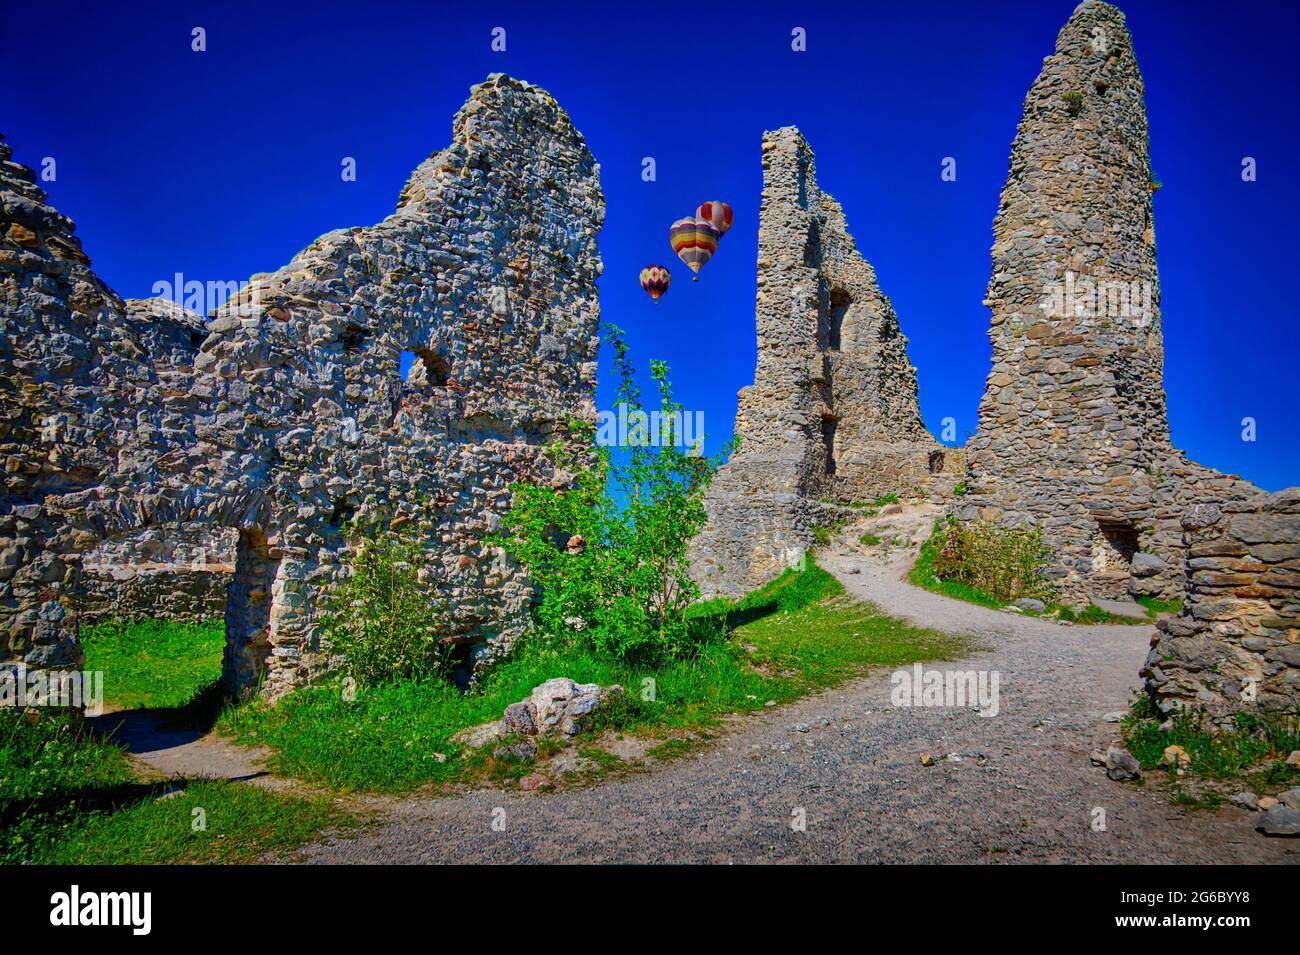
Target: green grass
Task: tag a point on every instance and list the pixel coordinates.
(798, 634)
(1155, 606)
(1255, 754)
(923, 576)
(1092, 615)
(49, 771)
(67, 796)
(240, 824)
(824, 533)
(872, 508)
(155, 663)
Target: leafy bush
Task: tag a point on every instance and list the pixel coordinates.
(380, 615)
(1073, 102)
(608, 548)
(1001, 562)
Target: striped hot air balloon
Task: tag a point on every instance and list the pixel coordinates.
(717, 214)
(694, 240)
(655, 279)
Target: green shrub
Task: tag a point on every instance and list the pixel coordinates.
(380, 615)
(1073, 102)
(609, 549)
(1004, 563)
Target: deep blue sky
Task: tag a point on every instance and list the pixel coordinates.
(225, 163)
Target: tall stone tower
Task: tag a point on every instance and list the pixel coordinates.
(832, 415)
(1073, 434)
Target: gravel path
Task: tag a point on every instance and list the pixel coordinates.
(1023, 789)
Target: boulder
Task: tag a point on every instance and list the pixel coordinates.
(481, 735)
(1245, 799)
(1146, 565)
(557, 708)
(1121, 764)
(521, 752)
(1279, 821)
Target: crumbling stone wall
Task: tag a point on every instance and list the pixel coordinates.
(178, 572)
(83, 405)
(1073, 433)
(1236, 644)
(832, 415)
(295, 419)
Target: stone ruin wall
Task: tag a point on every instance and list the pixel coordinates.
(1073, 434)
(832, 416)
(291, 418)
(131, 429)
(176, 572)
(1236, 644)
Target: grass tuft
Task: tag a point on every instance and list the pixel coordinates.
(1255, 753)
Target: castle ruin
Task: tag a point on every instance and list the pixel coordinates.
(832, 416)
(1073, 434)
(158, 460)
(285, 416)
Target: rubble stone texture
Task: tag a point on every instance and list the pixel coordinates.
(832, 416)
(1236, 644)
(1073, 433)
(177, 572)
(293, 417)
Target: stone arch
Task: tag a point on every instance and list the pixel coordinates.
(43, 623)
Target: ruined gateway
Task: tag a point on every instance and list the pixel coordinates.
(156, 459)
(286, 415)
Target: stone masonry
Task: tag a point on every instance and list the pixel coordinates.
(178, 571)
(1073, 434)
(1236, 645)
(832, 416)
(175, 572)
(293, 418)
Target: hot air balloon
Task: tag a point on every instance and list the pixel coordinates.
(717, 214)
(655, 280)
(694, 240)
